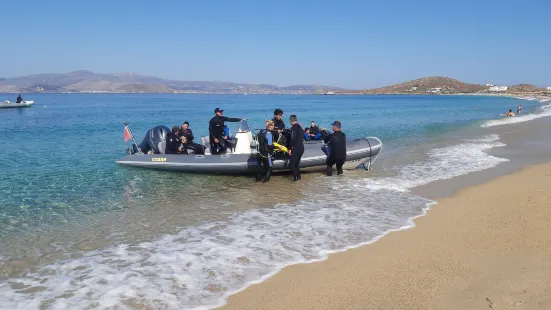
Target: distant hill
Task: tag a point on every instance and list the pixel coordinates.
(90, 82)
(444, 85)
(524, 88)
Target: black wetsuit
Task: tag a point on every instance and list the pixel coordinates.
(19, 99)
(216, 131)
(189, 145)
(337, 154)
(278, 125)
(265, 150)
(296, 145)
(172, 143)
(314, 130)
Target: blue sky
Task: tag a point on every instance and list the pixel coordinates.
(352, 44)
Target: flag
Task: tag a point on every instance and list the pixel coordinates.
(127, 136)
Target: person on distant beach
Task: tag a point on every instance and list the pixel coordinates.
(337, 152)
(19, 99)
(519, 109)
(510, 113)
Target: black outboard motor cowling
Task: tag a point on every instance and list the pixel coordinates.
(153, 138)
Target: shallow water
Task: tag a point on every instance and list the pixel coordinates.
(80, 231)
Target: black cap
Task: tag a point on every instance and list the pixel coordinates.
(218, 110)
(336, 124)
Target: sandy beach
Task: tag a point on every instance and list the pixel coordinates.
(485, 247)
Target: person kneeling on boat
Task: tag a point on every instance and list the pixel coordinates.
(265, 150)
(173, 143)
(337, 152)
(19, 99)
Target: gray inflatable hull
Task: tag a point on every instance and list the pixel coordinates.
(24, 104)
(361, 151)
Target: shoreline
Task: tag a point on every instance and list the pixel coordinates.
(458, 224)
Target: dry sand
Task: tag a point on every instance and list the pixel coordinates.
(486, 247)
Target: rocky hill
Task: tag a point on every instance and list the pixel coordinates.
(434, 84)
(524, 88)
(84, 81)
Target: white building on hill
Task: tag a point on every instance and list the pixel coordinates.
(498, 88)
(549, 88)
(434, 90)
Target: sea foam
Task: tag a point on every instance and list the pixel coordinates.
(544, 112)
(202, 265)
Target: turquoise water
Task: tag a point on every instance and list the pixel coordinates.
(67, 203)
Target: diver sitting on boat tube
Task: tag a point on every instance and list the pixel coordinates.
(173, 144)
(19, 99)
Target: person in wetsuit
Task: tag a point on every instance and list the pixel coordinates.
(172, 145)
(19, 99)
(315, 131)
(296, 147)
(279, 125)
(337, 153)
(186, 132)
(216, 131)
(265, 150)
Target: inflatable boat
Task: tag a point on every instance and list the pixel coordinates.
(24, 104)
(242, 158)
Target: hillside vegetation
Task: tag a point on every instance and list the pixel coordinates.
(424, 85)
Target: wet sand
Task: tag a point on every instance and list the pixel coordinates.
(486, 247)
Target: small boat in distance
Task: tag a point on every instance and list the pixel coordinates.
(8, 104)
(330, 93)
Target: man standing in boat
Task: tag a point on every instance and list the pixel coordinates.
(19, 99)
(296, 147)
(216, 131)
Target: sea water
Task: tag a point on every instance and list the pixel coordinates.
(79, 231)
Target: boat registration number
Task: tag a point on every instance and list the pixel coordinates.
(158, 159)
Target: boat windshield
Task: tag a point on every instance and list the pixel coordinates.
(243, 126)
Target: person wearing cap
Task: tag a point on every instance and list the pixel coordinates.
(337, 152)
(216, 131)
(296, 147)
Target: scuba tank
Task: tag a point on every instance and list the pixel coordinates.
(254, 146)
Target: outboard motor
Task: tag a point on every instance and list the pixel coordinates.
(155, 140)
